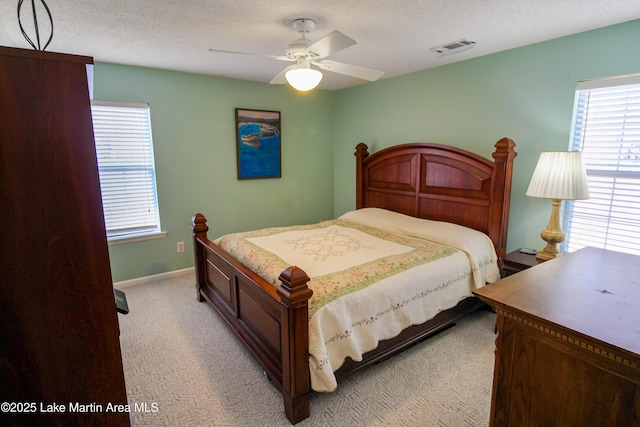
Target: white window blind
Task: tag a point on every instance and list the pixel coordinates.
(607, 130)
(127, 175)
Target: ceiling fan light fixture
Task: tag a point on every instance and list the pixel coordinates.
(303, 79)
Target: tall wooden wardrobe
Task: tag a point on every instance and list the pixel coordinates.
(59, 335)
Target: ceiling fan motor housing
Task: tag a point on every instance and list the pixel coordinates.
(297, 49)
(303, 25)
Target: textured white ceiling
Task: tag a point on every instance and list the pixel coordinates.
(395, 36)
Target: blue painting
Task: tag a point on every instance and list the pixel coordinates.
(258, 144)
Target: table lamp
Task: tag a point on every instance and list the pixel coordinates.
(559, 175)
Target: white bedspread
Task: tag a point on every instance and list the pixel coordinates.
(393, 288)
(478, 246)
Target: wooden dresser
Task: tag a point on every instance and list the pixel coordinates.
(568, 344)
(59, 335)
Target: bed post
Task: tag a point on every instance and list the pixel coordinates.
(199, 230)
(361, 154)
(296, 382)
(499, 224)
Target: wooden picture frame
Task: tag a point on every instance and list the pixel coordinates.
(258, 144)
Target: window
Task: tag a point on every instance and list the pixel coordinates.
(127, 175)
(607, 130)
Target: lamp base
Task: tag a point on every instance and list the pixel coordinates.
(545, 254)
(553, 234)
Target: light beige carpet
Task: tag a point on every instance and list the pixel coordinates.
(183, 364)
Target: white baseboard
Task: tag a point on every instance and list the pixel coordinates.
(155, 278)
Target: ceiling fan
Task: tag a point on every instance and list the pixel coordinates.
(305, 54)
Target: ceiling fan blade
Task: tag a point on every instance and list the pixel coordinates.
(233, 52)
(280, 79)
(350, 70)
(331, 43)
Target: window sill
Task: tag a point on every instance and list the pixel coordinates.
(136, 238)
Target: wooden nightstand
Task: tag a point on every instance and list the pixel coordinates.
(516, 261)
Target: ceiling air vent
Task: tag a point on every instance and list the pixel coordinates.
(453, 47)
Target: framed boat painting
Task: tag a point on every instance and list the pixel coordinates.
(258, 144)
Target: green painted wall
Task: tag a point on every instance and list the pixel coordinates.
(525, 94)
(193, 125)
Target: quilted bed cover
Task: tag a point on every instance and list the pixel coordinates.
(373, 273)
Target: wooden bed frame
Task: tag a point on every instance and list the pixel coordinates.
(419, 179)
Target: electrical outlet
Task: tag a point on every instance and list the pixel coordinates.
(180, 246)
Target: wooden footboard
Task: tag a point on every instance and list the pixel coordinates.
(272, 323)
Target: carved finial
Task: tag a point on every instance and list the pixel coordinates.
(505, 149)
(199, 225)
(361, 150)
(294, 289)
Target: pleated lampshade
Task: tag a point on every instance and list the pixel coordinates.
(559, 175)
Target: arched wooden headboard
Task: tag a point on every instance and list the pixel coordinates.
(441, 183)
